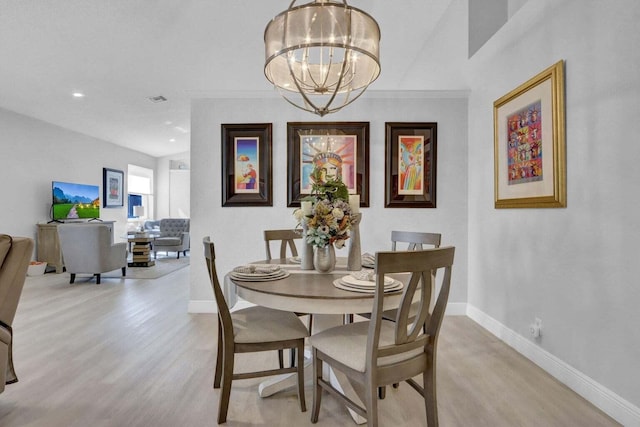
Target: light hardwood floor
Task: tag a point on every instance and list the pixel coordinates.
(127, 353)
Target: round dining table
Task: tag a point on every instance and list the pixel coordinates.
(307, 291)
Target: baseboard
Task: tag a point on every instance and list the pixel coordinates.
(606, 400)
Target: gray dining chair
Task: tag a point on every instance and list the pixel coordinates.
(414, 240)
(410, 241)
(286, 238)
(252, 329)
(287, 247)
(379, 352)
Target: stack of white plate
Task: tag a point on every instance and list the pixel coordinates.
(350, 283)
(258, 273)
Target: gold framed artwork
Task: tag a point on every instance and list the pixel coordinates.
(529, 143)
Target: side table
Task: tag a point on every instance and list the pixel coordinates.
(141, 251)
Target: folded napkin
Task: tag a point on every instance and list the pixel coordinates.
(367, 275)
(368, 258)
(257, 268)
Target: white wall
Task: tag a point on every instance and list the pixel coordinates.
(575, 268)
(163, 180)
(34, 153)
(238, 231)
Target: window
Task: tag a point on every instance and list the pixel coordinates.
(140, 193)
(134, 200)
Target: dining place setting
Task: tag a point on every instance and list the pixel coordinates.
(258, 272)
(364, 281)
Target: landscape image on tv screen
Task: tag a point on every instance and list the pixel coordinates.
(75, 201)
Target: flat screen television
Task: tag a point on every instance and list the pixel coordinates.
(74, 201)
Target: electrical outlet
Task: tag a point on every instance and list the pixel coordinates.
(536, 328)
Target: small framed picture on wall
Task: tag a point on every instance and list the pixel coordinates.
(410, 165)
(246, 165)
(112, 188)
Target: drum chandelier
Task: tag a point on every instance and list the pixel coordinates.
(322, 55)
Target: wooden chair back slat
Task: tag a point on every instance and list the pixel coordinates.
(287, 241)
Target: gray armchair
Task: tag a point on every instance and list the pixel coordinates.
(174, 236)
(88, 248)
(15, 253)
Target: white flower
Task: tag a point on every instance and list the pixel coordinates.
(339, 244)
(337, 213)
(298, 214)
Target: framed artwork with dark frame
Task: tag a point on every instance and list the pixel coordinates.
(112, 188)
(410, 165)
(529, 143)
(247, 175)
(341, 147)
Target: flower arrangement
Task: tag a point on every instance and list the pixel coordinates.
(326, 213)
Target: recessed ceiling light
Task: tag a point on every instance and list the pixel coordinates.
(168, 122)
(172, 140)
(78, 95)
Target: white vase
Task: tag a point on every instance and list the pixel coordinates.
(324, 259)
(306, 255)
(354, 262)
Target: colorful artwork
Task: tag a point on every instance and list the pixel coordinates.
(410, 164)
(524, 152)
(335, 154)
(247, 165)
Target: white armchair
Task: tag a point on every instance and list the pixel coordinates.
(89, 249)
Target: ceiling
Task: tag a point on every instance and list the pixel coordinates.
(119, 53)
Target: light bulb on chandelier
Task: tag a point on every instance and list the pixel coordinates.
(322, 55)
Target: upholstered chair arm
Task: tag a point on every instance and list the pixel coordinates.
(185, 239)
(113, 256)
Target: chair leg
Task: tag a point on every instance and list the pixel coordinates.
(371, 404)
(430, 399)
(98, 279)
(300, 353)
(72, 278)
(225, 392)
(218, 372)
(178, 253)
(124, 271)
(382, 392)
(317, 391)
(11, 376)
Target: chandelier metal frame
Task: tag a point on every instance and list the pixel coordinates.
(323, 55)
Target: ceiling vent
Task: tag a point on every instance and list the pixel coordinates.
(157, 99)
